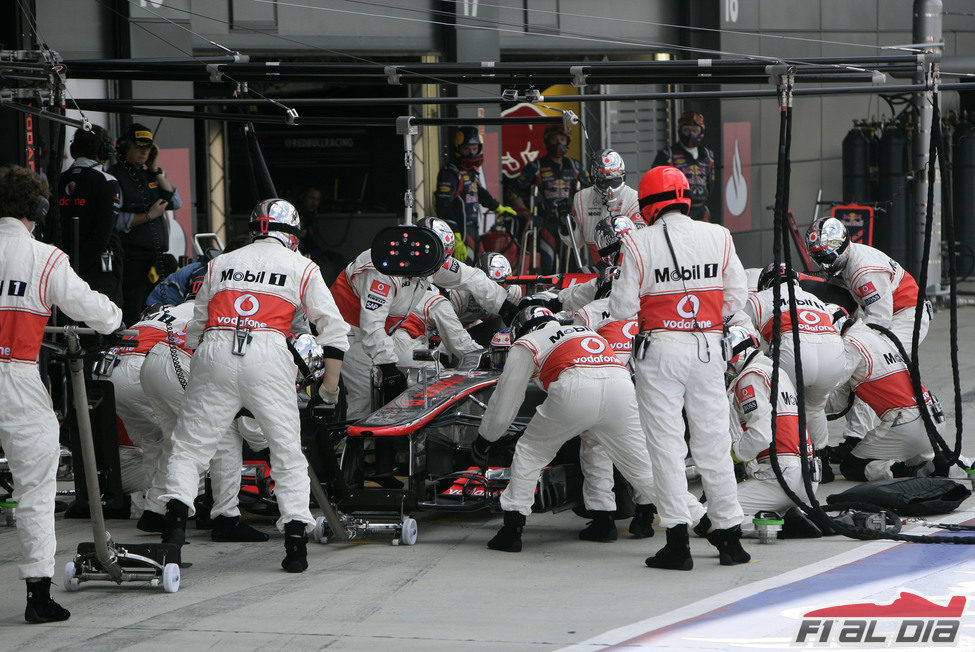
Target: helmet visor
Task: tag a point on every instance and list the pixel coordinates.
(608, 182)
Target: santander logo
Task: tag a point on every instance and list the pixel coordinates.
(736, 190)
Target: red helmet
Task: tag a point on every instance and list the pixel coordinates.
(661, 188)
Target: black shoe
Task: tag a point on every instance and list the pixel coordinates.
(676, 555)
(839, 453)
(702, 527)
(508, 538)
(728, 543)
(941, 466)
(174, 529)
(601, 528)
(231, 528)
(641, 527)
(151, 522)
(41, 607)
(202, 506)
(828, 475)
(902, 470)
(798, 526)
(295, 548)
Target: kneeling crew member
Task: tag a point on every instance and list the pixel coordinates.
(588, 388)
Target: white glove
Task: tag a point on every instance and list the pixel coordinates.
(329, 397)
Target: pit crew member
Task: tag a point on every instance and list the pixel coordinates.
(34, 277)
(680, 278)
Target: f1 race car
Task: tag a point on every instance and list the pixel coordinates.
(413, 453)
(427, 433)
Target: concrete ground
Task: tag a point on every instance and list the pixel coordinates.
(446, 592)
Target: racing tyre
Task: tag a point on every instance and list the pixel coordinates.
(170, 578)
(408, 532)
(71, 581)
(319, 533)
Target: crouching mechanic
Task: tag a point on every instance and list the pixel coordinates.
(749, 386)
(497, 268)
(164, 377)
(122, 366)
(607, 234)
(243, 313)
(34, 277)
(879, 376)
(589, 390)
(432, 318)
(374, 303)
(680, 278)
(820, 347)
(886, 294)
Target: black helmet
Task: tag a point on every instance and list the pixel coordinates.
(769, 275)
(469, 136)
(528, 319)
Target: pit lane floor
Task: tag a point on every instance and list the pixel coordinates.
(450, 592)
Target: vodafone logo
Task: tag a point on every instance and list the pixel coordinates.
(688, 306)
(630, 329)
(246, 305)
(593, 345)
(810, 317)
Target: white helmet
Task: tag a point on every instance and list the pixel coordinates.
(737, 347)
(607, 235)
(278, 219)
(443, 231)
(500, 344)
(827, 242)
(496, 266)
(608, 175)
(312, 353)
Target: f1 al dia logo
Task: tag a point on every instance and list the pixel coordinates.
(909, 620)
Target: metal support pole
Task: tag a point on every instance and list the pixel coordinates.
(85, 439)
(331, 516)
(927, 31)
(405, 127)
